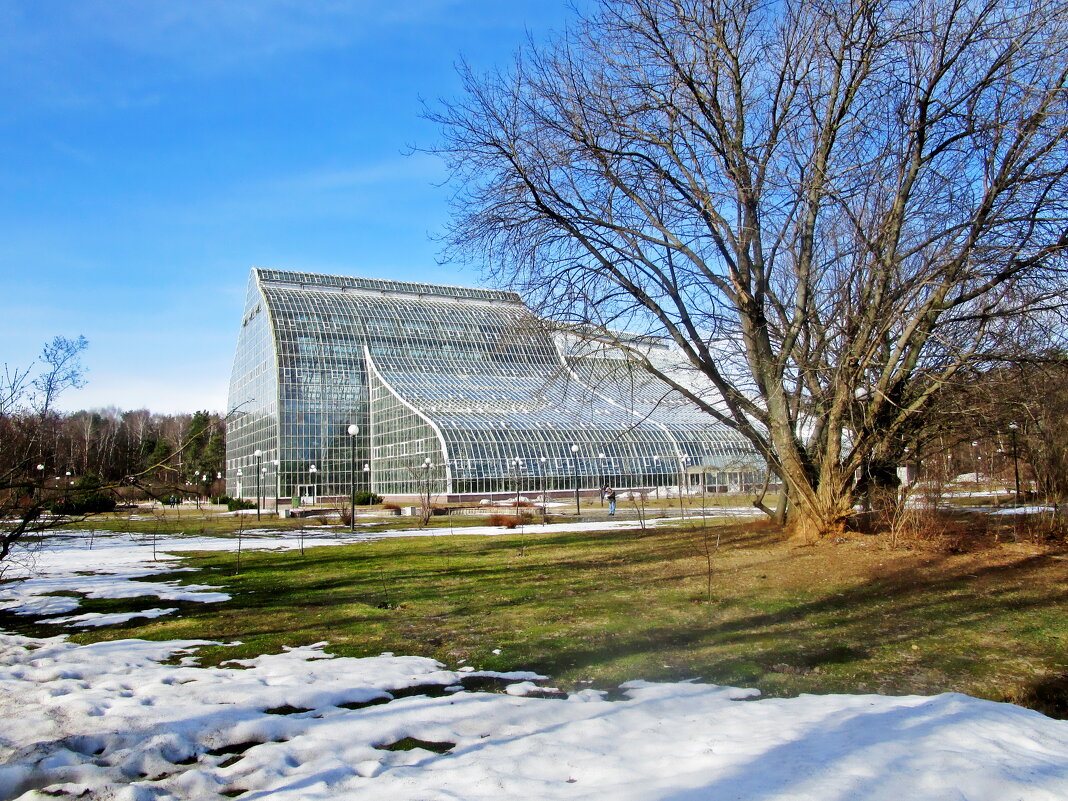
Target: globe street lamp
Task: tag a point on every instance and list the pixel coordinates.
(518, 466)
(277, 484)
(367, 478)
(574, 456)
(427, 464)
(683, 478)
(1015, 460)
(259, 456)
(600, 476)
(544, 499)
(312, 471)
(353, 431)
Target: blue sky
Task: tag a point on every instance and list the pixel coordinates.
(152, 151)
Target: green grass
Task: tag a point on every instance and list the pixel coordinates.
(599, 609)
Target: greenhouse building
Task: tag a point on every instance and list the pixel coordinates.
(401, 388)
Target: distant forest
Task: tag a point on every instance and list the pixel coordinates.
(177, 450)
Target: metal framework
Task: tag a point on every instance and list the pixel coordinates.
(462, 390)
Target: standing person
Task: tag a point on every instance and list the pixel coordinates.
(610, 494)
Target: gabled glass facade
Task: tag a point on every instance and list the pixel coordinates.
(464, 389)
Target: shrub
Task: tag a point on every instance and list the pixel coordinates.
(85, 499)
(508, 521)
(88, 504)
(366, 498)
(237, 504)
(222, 500)
(390, 506)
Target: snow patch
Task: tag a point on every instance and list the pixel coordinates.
(109, 720)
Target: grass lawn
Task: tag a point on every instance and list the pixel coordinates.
(599, 609)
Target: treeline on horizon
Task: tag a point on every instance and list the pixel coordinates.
(151, 449)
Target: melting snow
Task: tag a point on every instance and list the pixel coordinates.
(110, 720)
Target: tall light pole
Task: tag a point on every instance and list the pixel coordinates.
(975, 461)
(312, 470)
(600, 477)
(1015, 460)
(544, 500)
(367, 478)
(682, 478)
(259, 455)
(353, 431)
(574, 457)
(518, 466)
(277, 484)
(427, 464)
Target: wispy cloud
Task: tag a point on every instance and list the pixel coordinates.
(353, 192)
(206, 34)
(417, 167)
(118, 53)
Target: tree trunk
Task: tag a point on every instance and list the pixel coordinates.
(782, 507)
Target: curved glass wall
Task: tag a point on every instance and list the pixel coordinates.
(461, 389)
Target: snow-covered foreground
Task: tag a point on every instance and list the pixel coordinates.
(138, 720)
(110, 719)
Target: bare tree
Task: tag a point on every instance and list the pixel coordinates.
(831, 208)
(27, 423)
(1019, 416)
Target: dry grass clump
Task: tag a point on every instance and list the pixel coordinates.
(924, 527)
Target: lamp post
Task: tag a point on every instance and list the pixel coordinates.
(1015, 460)
(312, 471)
(40, 481)
(518, 466)
(600, 476)
(259, 456)
(574, 459)
(427, 464)
(656, 475)
(682, 479)
(239, 487)
(277, 484)
(544, 500)
(353, 431)
(975, 461)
